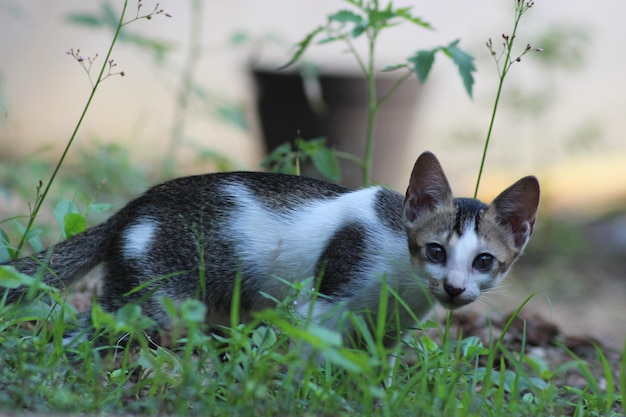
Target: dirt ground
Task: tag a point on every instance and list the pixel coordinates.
(579, 273)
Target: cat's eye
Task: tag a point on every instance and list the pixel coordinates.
(436, 253)
(484, 262)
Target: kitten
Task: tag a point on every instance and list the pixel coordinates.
(191, 237)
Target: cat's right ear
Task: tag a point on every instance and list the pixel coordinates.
(428, 188)
(516, 208)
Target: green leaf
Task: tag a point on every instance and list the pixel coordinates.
(277, 155)
(98, 207)
(6, 251)
(239, 37)
(61, 210)
(360, 29)
(159, 48)
(357, 3)
(393, 67)
(130, 318)
(169, 306)
(405, 13)
(302, 46)
(465, 63)
(321, 337)
(107, 17)
(233, 114)
(325, 161)
(308, 147)
(350, 360)
(346, 16)
(193, 311)
(264, 337)
(380, 18)
(472, 347)
(323, 158)
(12, 278)
(33, 237)
(423, 62)
(329, 40)
(428, 344)
(110, 16)
(84, 19)
(74, 224)
(101, 319)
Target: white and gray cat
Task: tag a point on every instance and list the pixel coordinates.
(192, 237)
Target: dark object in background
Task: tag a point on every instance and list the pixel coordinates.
(287, 112)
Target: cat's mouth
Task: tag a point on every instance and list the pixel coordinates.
(453, 303)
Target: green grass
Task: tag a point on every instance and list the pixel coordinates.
(261, 368)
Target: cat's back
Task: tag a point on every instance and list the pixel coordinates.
(281, 194)
(280, 191)
(272, 190)
(243, 196)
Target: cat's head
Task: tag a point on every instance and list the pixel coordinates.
(462, 246)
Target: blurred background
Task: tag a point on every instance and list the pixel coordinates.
(187, 103)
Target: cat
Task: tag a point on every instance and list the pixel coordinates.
(192, 237)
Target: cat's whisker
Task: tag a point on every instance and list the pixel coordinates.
(495, 291)
(485, 301)
(500, 289)
(489, 304)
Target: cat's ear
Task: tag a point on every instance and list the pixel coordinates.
(516, 207)
(428, 188)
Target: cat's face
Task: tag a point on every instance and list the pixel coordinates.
(461, 251)
(463, 247)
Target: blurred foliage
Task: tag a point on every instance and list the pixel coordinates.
(288, 157)
(104, 162)
(191, 97)
(564, 47)
(556, 235)
(12, 8)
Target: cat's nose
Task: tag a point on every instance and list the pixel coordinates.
(452, 290)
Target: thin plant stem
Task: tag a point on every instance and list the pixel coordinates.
(488, 138)
(42, 197)
(349, 157)
(394, 88)
(371, 114)
(520, 8)
(368, 70)
(356, 55)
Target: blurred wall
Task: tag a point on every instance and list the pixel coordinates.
(560, 118)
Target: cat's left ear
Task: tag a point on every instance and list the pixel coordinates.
(516, 207)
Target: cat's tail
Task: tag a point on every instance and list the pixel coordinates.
(66, 262)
